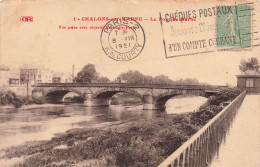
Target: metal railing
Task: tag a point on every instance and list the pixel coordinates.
(129, 85)
(201, 148)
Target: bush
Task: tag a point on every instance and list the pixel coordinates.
(6, 97)
(223, 96)
(17, 102)
(9, 97)
(39, 100)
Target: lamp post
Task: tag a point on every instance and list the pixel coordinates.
(73, 80)
(27, 83)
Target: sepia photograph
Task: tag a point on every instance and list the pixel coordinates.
(129, 83)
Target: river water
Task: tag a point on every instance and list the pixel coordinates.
(18, 126)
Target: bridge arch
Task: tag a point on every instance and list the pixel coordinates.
(160, 100)
(55, 95)
(109, 92)
(103, 96)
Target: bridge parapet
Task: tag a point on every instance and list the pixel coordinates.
(200, 149)
(130, 85)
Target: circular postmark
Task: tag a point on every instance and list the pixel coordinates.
(122, 39)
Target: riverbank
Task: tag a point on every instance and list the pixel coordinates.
(31, 106)
(145, 142)
(8, 98)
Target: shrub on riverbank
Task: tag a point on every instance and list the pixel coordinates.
(10, 98)
(6, 97)
(39, 100)
(145, 142)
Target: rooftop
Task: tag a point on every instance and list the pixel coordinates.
(250, 73)
(31, 66)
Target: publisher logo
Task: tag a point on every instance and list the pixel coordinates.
(26, 19)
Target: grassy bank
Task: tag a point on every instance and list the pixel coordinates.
(145, 142)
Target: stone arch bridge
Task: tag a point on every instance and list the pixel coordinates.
(153, 96)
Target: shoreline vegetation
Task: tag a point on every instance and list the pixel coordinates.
(9, 98)
(31, 106)
(145, 142)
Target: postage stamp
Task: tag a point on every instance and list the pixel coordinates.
(236, 26)
(216, 28)
(122, 39)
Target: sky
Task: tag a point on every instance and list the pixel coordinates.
(43, 42)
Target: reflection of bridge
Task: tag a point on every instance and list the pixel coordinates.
(98, 94)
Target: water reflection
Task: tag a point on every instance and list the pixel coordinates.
(18, 126)
(181, 104)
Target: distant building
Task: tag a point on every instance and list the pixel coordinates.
(31, 74)
(60, 77)
(249, 80)
(9, 76)
(34, 74)
(45, 76)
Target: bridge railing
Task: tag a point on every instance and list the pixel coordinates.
(201, 148)
(129, 85)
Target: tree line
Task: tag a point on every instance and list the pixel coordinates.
(251, 64)
(88, 74)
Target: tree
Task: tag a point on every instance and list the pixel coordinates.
(102, 79)
(87, 74)
(162, 79)
(137, 77)
(252, 64)
(242, 66)
(132, 77)
(190, 81)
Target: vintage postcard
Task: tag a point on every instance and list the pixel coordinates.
(129, 83)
